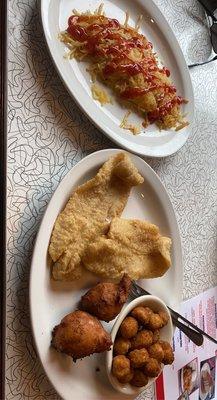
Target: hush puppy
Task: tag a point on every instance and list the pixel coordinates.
(139, 378)
(105, 300)
(142, 314)
(156, 351)
(79, 334)
(143, 338)
(152, 368)
(129, 327)
(121, 369)
(121, 346)
(138, 358)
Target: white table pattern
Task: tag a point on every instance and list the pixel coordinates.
(48, 134)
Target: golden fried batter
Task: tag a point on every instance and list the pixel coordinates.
(88, 214)
(80, 334)
(121, 369)
(121, 346)
(152, 368)
(131, 246)
(143, 338)
(156, 351)
(142, 314)
(105, 300)
(139, 378)
(156, 321)
(168, 352)
(138, 358)
(129, 327)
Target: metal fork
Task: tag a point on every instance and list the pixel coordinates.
(195, 335)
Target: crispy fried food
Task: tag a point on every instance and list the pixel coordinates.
(142, 314)
(87, 215)
(129, 327)
(105, 300)
(143, 338)
(139, 378)
(152, 368)
(80, 334)
(130, 246)
(164, 316)
(156, 351)
(168, 352)
(121, 369)
(121, 346)
(155, 322)
(138, 358)
(156, 336)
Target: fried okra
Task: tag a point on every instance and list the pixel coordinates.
(156, 351)
(152, 368)
(129, 327)
(142, 314)
(121, 346)
(143, 338)
(138, 358)
(139, 378)
(121, 369)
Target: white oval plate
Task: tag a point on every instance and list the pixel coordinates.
(152, 142)
(50, 301)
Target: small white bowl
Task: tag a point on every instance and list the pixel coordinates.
(166, 333)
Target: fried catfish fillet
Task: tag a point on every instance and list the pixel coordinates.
(133, 247)
(106, 299)
(79, 334)
(88, 213)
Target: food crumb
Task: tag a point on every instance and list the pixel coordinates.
(100, 95)
(125, 125)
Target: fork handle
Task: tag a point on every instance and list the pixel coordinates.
(193, 335)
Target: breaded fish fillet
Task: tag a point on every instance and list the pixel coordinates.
(88, 213)
(131, 246)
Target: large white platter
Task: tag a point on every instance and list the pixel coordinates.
(50, 300)
(153, 143)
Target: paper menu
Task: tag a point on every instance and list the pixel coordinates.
(193, 374)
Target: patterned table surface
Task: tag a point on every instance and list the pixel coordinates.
(47, 135)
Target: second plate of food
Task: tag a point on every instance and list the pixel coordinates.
(111, 69)
(121, 221)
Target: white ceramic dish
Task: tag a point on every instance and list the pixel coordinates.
(153, 143)
(50, 300)
(166, 333)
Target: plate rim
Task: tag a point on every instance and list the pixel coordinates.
(132, 147)
(107, 152)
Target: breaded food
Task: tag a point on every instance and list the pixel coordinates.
(121, 369)
(156, 321)
(142, 314)
(152, 368)
(121, 346)
(80, 334)
(143, 338)
(164, 316)
(105, 300)
(129, 327)
(156, 351)
(156, 336)
(88, 213)
(139, 378)
(138, 358)
(131, 246)
(168, 352)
